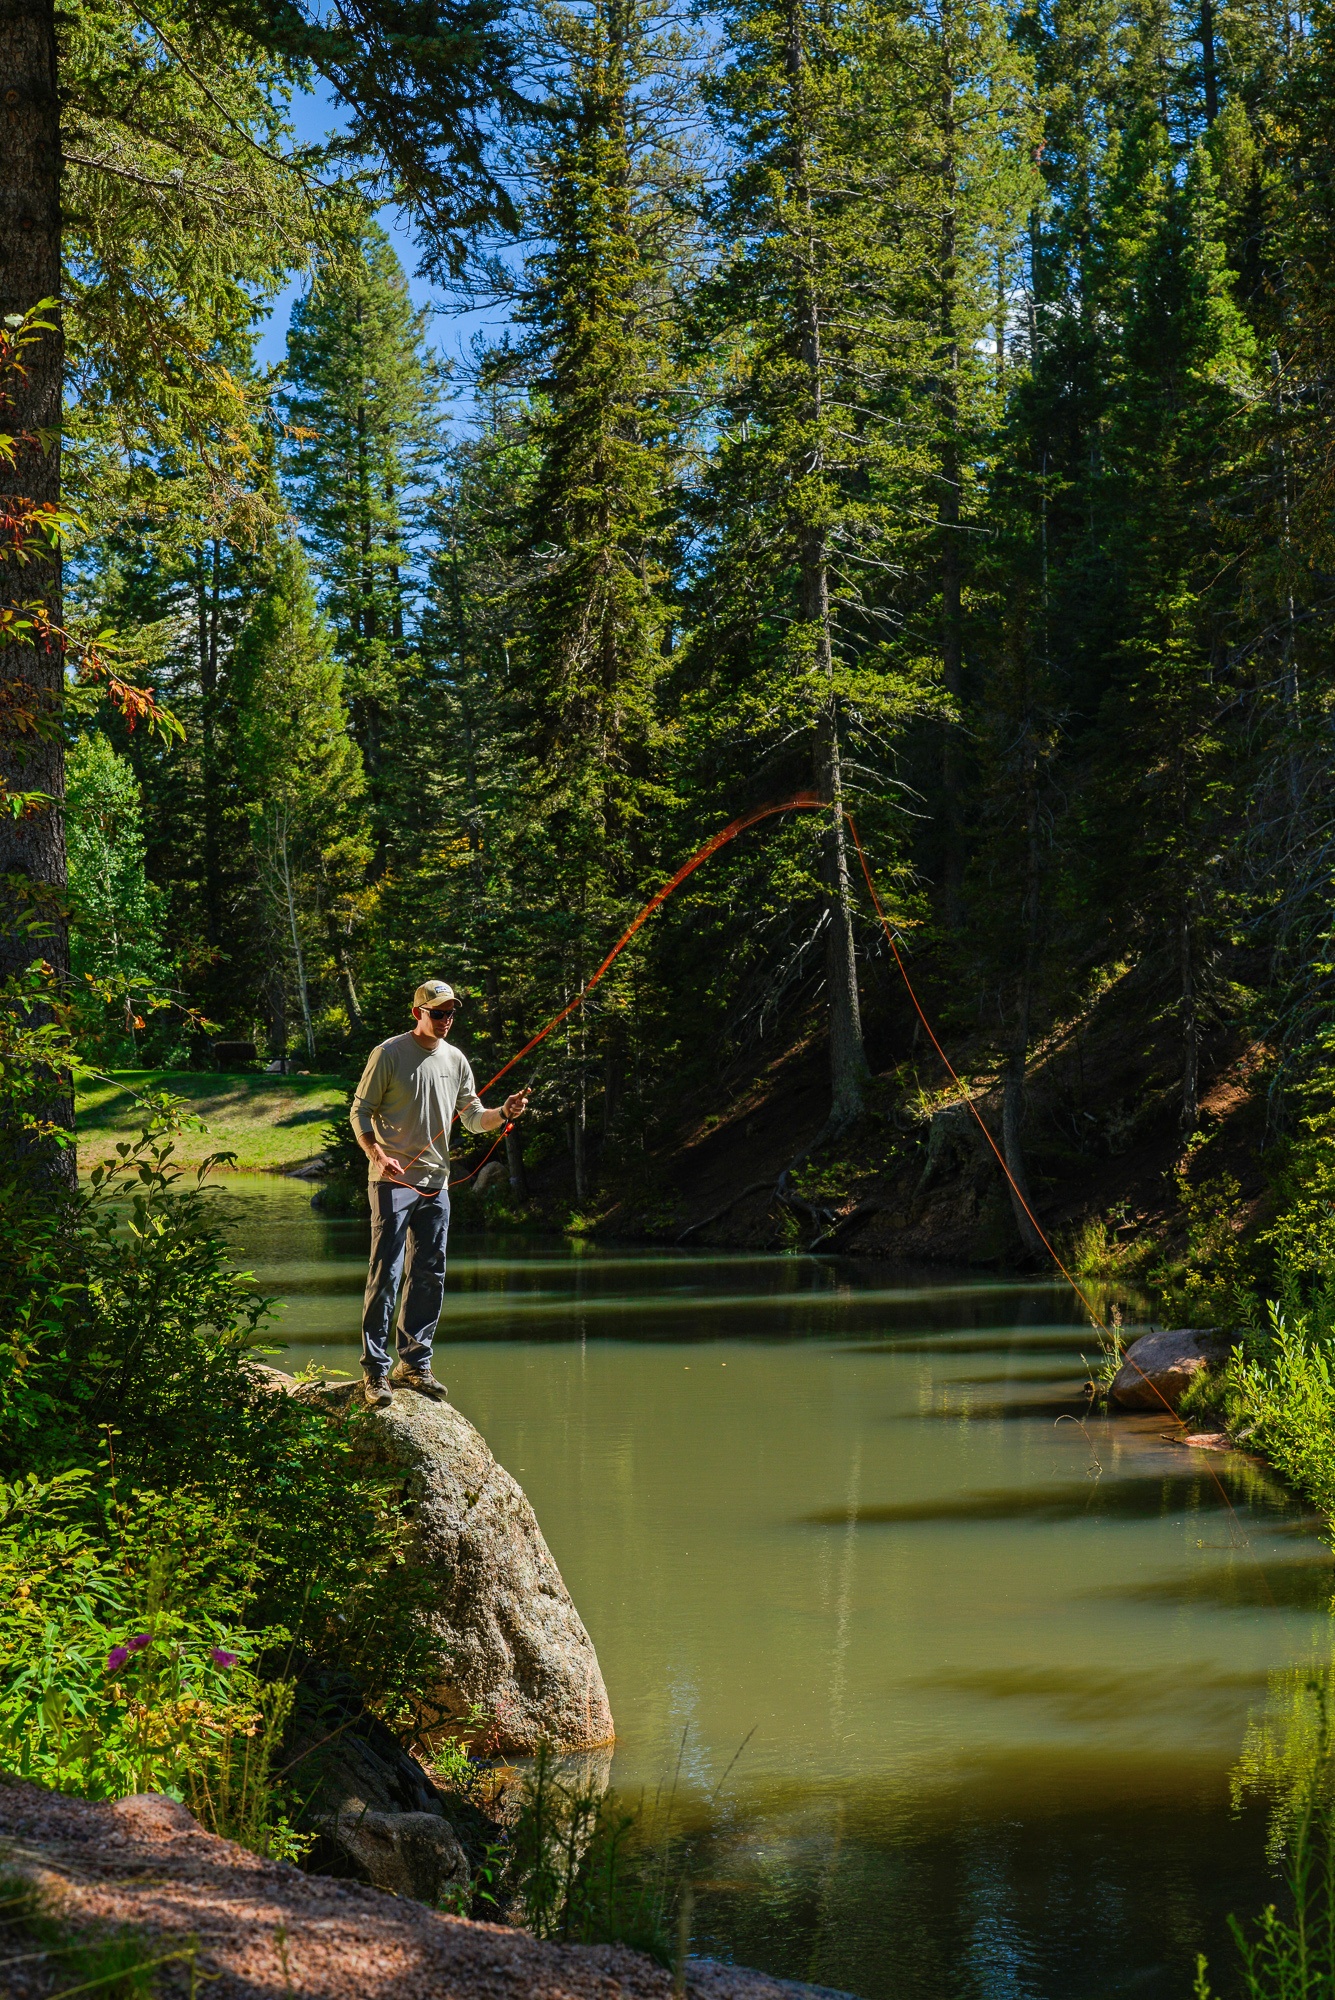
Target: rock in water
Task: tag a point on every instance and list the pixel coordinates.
(1159, 1368)
(517, 1646)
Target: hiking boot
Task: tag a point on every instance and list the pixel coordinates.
(376, 1392)
(420, 1379)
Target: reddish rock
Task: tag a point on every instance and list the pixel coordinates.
(1159, 1368)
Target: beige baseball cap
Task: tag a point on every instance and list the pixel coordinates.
(433, 993)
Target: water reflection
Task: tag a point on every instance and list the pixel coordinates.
(998, 1666)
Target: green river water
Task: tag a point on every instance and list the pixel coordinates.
(992, 1668)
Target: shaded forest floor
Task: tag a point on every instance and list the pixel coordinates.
(915, 1181)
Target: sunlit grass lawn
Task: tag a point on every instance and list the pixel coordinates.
(267, 1121)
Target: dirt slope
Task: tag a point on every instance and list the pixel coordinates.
(917, 1181)
(230, 1925)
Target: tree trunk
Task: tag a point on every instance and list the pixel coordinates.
(1209, 73)
(1012, 1103)
(1012, 1146)
(948, 512)
(297, 953)
(1190, 1024)
(32, 847)
(514, 1145)
(207, 603)
(577, 1149)
(354, 1005)
(277, 989)
(848, 1058)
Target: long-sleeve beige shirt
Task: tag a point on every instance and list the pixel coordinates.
(407, 1099)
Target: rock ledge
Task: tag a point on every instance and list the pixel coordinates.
(516, 1643)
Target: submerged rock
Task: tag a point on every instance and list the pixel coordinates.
(1159, 1368)
(515, 1642)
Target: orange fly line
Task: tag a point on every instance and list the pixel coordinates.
(802, 802)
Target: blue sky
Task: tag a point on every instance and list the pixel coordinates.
(314, 115)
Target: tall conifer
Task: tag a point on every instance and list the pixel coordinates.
(364, 405)
(799, 520)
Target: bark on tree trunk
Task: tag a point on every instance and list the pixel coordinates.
(1190, 1025)
(1209, 72)
(297, 953)
(1012, 1103)
(278, 1017)
(1012, 1146)
(32, 849)
(354, 1005)
(514, 1145)
(948, 516)
(848, 1059)
(207, 598)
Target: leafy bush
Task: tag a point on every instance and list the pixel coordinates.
(178, 1541)
(1278, 1394)
(583, 1869)
(1214, 1282)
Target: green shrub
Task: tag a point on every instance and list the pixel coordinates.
(177, 1540)
(583, 1869)
(1278, 1394)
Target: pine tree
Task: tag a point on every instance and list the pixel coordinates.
(363, 403)
(1179, 438)
(303, 776)
(801, 514)
(594, 539)
(117, 954)
(964, 96)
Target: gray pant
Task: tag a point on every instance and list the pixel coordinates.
(404, 1221)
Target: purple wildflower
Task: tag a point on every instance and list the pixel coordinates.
(116, 1658)
(139, 1641)
(221, 1659)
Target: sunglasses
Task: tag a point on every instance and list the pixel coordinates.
(442, 1013)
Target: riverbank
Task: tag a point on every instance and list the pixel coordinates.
(271, 1123)
(916, 1182)
(139, 1878)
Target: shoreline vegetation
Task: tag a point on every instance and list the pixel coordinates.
(190, 1561)
(173, 1612)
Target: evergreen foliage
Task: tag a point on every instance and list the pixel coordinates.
(922, 406)
(117, 943)
(362, 404)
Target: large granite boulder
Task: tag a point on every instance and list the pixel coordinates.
(1159, 1368)
(515, 1642)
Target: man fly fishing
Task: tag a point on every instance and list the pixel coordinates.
(402, 1111)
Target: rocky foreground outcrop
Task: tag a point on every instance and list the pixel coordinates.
(1159, 1368)
(374, 1811)
(212, 1918)
(516, 1645)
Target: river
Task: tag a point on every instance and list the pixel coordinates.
(988, 1666)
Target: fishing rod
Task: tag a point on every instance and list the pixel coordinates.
(811, 802)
